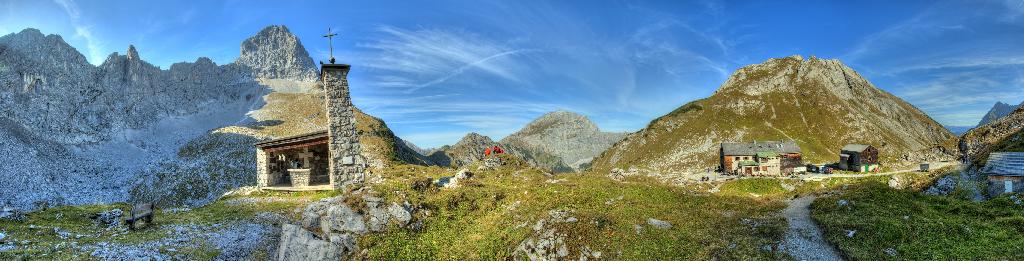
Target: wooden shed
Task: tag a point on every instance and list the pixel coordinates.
(858, 157)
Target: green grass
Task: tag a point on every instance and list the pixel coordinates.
(478, 222)
(920, 227)
(756, 187)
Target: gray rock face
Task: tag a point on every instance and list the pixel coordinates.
(80, 133)
(276, 53)
(298, 244)
(998, 110)
(571, 138)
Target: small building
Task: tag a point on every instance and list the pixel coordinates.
(859, 158)
(320, 160)
(1005, 171)
(760, 158)
(296, 161)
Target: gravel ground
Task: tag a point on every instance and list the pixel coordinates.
(804, 240)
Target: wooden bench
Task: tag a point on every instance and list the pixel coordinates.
(140, 212)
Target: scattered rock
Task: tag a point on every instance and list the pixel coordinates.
(849, 233)
(890, 251)
(298, 244)
(453, 182)
(897, 183)
(842, 202)
(942, 187)
(658, 223)
(638, 229)
(492, 163)
(546, 243)
(617, 174)
(108, 218)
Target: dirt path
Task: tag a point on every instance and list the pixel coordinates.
(804, 240)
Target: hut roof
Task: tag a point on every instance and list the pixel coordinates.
(1005, 164)
(856, 147)
(751, 148)
(293, 139)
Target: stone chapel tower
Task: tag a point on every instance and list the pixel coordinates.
(346, 164)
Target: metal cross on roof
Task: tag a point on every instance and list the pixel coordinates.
(330, 43)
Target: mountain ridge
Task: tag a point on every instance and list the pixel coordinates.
(997, 111)
(822, 104)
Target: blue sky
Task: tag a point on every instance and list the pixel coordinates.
(435, 70)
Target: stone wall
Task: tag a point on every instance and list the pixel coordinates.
(996, 184)
(346, 164)
(262, 169)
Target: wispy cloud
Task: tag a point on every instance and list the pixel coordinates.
(428, 57)
(83, 30)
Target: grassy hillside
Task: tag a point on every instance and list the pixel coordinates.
(893, 224)
(787, 98)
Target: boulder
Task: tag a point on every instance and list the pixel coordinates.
(659, 223)
(378, 219)
(453, 181)
(298, 244)
(400, 213)
(341, 218)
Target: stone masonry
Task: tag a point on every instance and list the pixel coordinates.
(346, 164)
(263, 178)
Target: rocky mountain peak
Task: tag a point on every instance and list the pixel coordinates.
(794, 72)
(560, 140)
(276, 53)
(474, 138)
(561, 120)
(997, 111)
(132, 53)
(44, 50)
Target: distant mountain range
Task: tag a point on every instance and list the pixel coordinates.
(821, 104)
(957, 130)
(559, 141)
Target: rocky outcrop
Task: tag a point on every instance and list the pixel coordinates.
(821, 104)
(84, 133)
(548, 243)
(330, 228)
(997, 111)
(276, 53)
(560, 141)
(298, 244)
